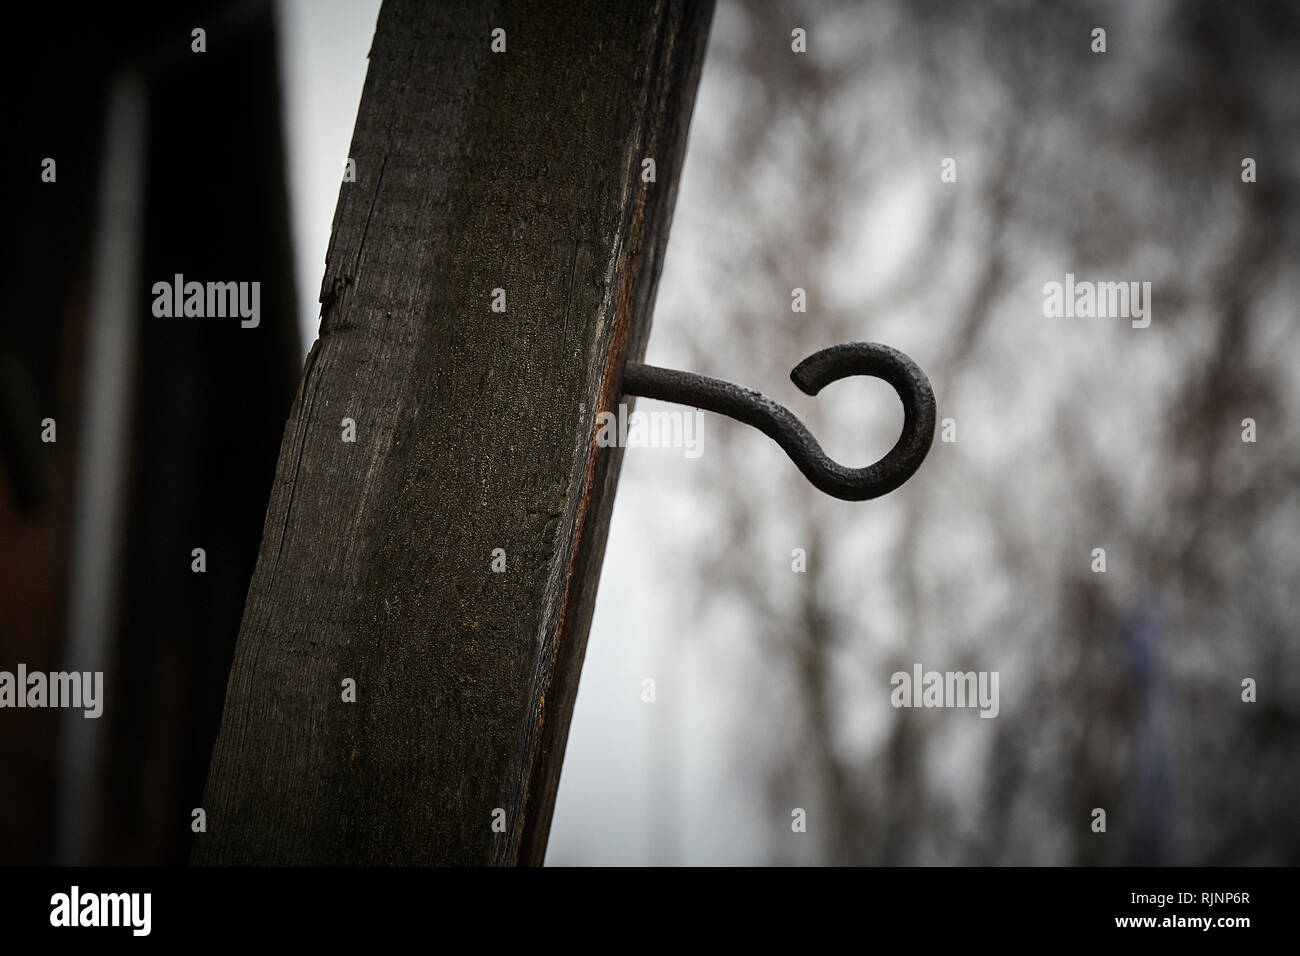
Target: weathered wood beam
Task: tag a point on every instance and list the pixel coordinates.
(474, 430)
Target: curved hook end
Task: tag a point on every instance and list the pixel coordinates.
(913, 387)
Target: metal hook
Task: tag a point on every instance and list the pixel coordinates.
(812, 375)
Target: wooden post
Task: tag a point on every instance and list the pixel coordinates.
(486, 180)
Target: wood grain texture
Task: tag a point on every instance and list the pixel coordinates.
(475, 430)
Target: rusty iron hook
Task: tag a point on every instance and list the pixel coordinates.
(777, 422)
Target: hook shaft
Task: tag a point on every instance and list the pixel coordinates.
(777, 422)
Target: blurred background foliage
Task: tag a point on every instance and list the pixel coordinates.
(1119, 690)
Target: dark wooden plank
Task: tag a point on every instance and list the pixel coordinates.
(474, 430)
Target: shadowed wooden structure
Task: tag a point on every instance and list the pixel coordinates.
(477, 170)
(203, 408)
